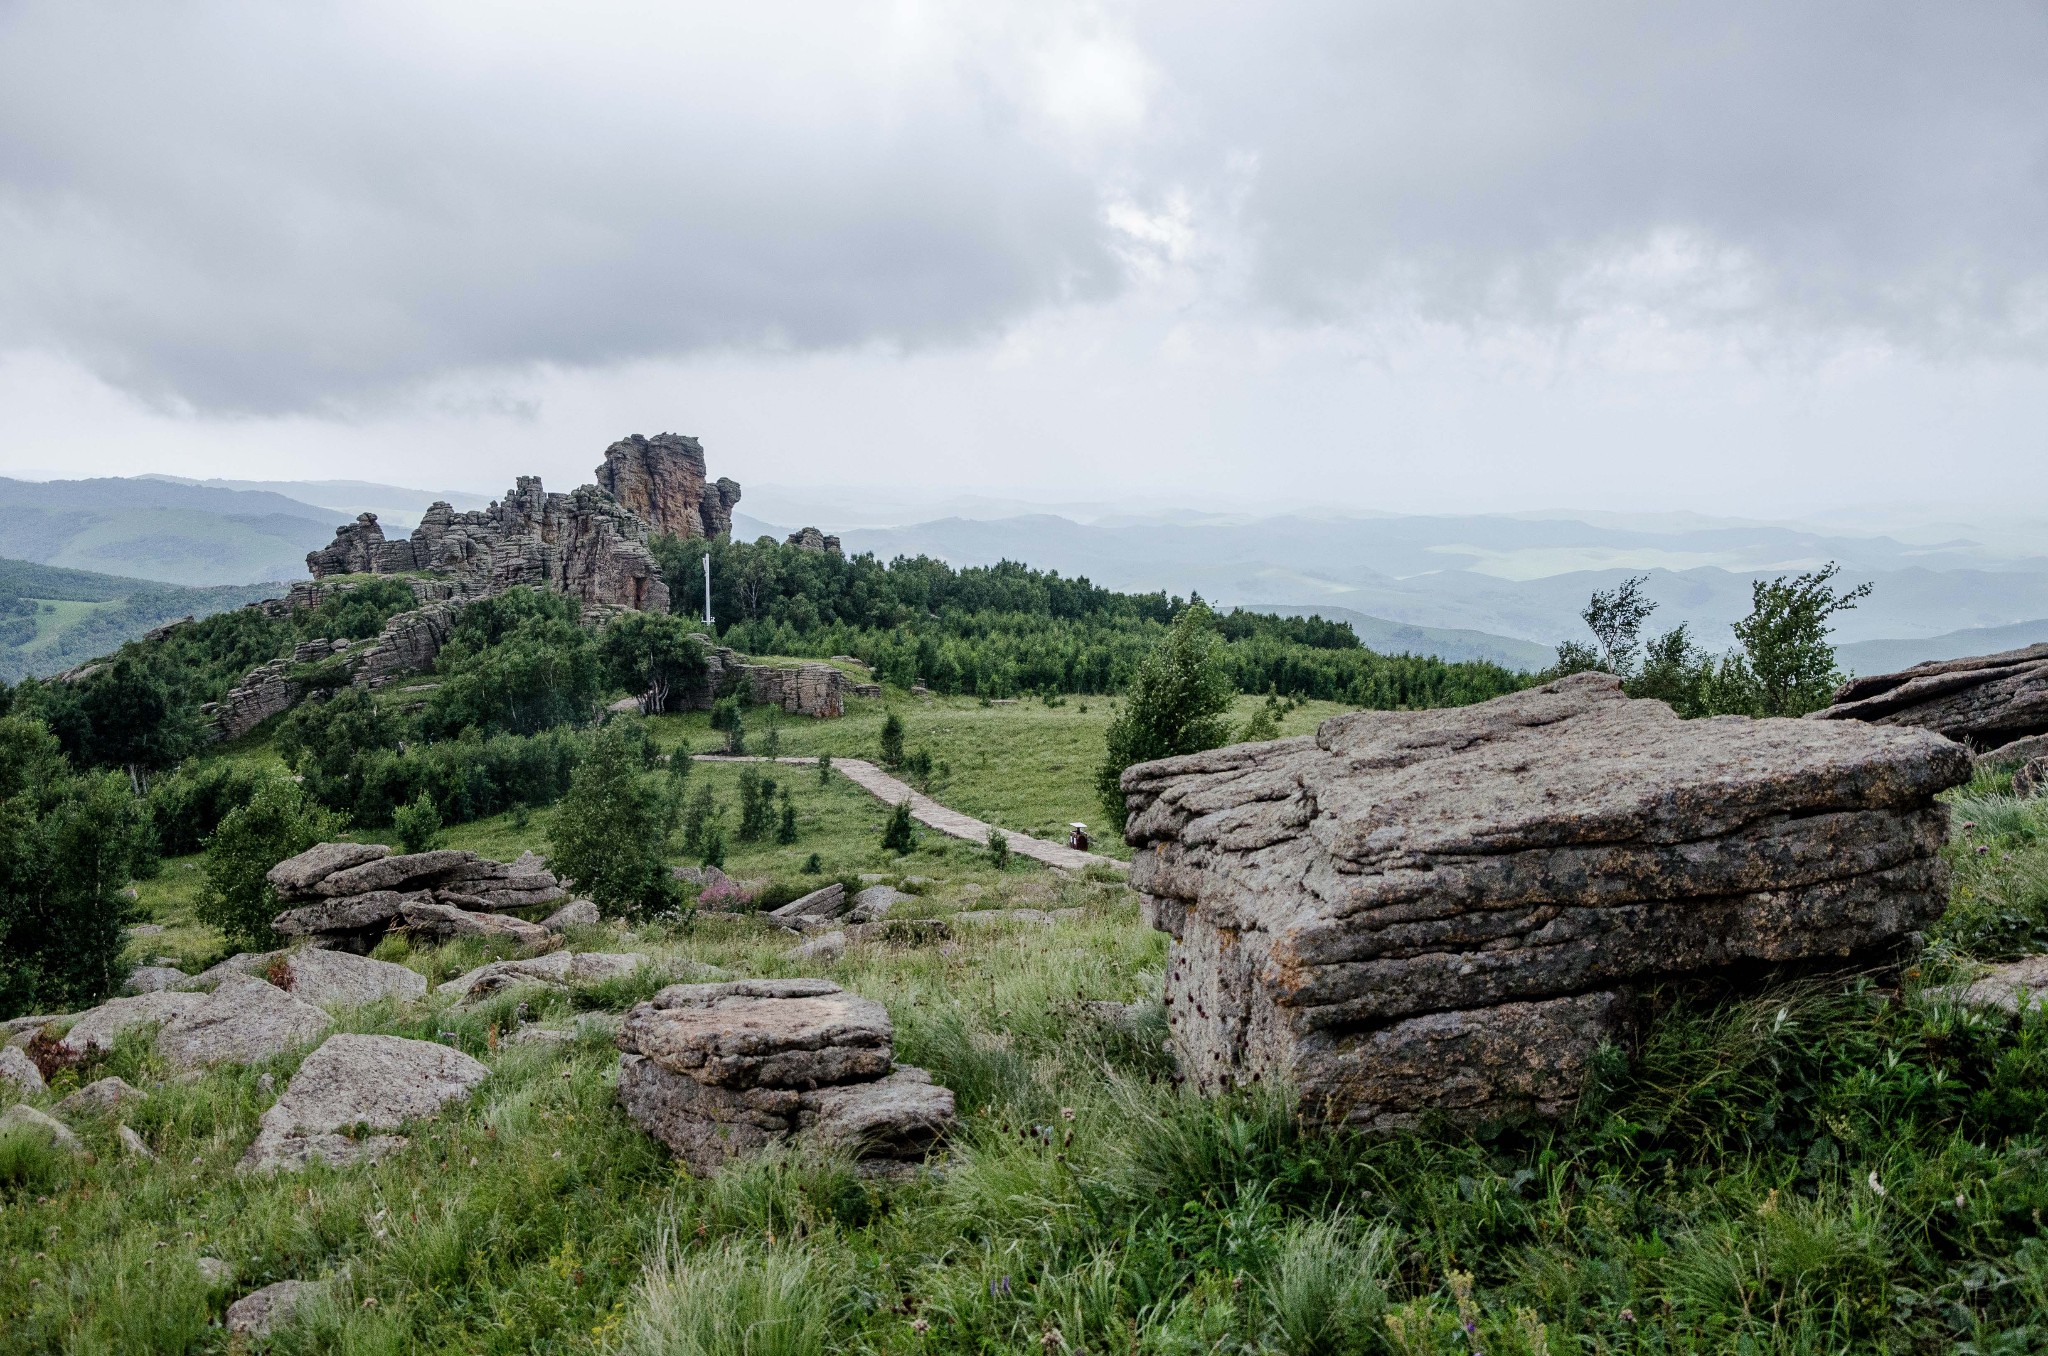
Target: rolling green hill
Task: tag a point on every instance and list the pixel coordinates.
(168, 533)
(52, 619)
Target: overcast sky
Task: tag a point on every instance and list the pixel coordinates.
(1743, 258)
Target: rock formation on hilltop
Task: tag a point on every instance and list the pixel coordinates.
(663, 480)
(1985, 701)
(1443, 911)
(582, 544)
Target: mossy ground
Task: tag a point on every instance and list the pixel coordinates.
(1842, 1164)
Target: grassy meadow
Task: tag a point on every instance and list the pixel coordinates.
(1842, 1164)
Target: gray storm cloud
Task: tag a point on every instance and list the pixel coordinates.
(272, 208)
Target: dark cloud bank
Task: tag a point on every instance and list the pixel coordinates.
(278, 208)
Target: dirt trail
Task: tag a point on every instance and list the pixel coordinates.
(933, 815)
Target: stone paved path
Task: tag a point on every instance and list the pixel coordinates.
(933, 815)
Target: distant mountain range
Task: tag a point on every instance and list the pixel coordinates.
(1502, 587)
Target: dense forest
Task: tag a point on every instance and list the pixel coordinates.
(1007, 629)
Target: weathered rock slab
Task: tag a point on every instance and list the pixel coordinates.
(562, 969)
(444, 921)
(155, 978)
(1985, 700)
(720, 1071)
(2007, 986)
(376, 1082)
(332, 979)
(1436, 910)
(244, 1020)
(95, 1030)
(298, 875)
(576, 913)
(825, 903)
(100, 1097)
(371, 913)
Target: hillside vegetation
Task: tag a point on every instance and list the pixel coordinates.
(1845, 1162)
(52, 619)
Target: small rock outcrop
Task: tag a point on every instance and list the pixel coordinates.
(19, 1073)
(576, 913)
(816, 907)
(25, 1118)
(347, 896)
(351, 1081)
(1441, 911)
(720, 1071)
(257, 1313)
(99, 1098)
(1985, 701)
(811, 539)
(663, 481)
(557, 969)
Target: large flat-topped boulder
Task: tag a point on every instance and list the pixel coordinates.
(1986, 700)
(1510, 864)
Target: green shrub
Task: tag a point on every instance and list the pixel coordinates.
(900, 836)
(998, 848)
(279, 821)
(892, 740)
(1177, 704)
(418, 824)
(68, 845)
(188, 805)
(612, 830)
(785, 824)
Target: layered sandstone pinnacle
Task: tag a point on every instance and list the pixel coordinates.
(1440, 911)
(663, 480)
(1985, 701)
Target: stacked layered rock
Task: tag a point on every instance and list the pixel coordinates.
(582, 544)
(1987, 701)
(662, 479)
(1441, 911)
(348, 895)
(719, 1071)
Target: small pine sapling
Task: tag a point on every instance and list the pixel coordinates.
(785, 828)
(892, 740)
(900, 836)
(998, 848)
(418, 825)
